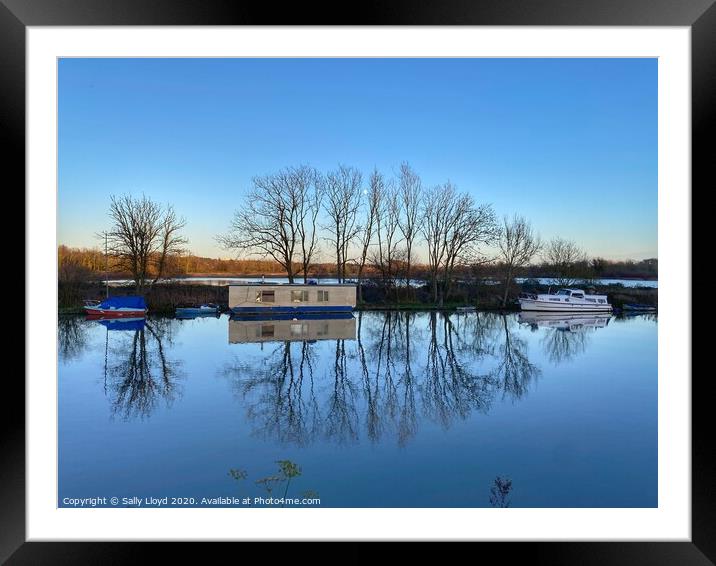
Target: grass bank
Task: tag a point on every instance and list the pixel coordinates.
(164, 298)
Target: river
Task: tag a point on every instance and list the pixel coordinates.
(378, 409)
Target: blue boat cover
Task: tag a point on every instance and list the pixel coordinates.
(119, 324)
(130, 301)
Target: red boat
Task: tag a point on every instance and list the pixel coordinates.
(131, 306)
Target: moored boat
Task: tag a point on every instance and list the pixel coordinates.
(636, 307)
(192, 310)
(291, 298)
(565, 300)
(126, 306)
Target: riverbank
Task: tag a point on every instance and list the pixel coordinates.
(166, 297)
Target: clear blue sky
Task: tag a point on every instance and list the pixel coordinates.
(569, 143)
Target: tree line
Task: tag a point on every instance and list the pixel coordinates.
(304, 222)
(375, 222)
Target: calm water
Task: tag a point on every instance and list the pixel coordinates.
(378, 410)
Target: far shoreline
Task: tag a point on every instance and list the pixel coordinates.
(299, 279)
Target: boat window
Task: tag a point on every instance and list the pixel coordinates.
(267, 331)
(299, 296)
(563, 292)
(558, 300)
(323, 330)
(578, 295)
(299, 329)
(602, 301)
(591, 300)
(322, 296)
(265, 296)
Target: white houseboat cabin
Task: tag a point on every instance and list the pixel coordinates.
(265, 298)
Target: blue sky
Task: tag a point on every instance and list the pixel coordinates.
(569, 143)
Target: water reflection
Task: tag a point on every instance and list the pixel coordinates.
(72, 338)
(401, 368)
(462, 400)
(247, 330)
(565, 336)
(514, 371)
(376, 375)
(500, 492)
(138, 372)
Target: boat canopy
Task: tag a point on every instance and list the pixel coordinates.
(127, 302)
(119, 324)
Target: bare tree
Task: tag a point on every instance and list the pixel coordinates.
(566, 259)
(342, 190)
(410, 188)
(375, 195)
(384, 259)
(278, 220)
(474, 225)
(308, 197)
(143, 235)
(518, 244)
(439, 203)
(172, 243)
(454, 228)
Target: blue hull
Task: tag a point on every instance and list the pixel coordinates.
(293, 316)
(270, 311)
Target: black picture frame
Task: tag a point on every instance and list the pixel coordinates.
(700, 15)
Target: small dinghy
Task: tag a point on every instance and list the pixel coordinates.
(636, 307)
(194, 310)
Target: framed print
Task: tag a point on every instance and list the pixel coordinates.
(393, 278)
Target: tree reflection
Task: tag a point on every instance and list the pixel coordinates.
(565, 336)
(342, 417)
(280, 393)
(561, 346)
(514, 371)
(451, 388)
(139, 372)
(401, 368)
(500, 492)
(72, 337)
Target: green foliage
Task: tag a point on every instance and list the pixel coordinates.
(269, 482)
(288, 469)
(238, 474)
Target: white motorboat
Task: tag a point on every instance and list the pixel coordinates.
(565, 300)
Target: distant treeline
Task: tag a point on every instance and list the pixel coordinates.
(77, 264)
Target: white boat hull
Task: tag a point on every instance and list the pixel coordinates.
(549, 306)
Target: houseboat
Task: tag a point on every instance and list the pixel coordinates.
(291, 298)
(565, 300)
(250, 329)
